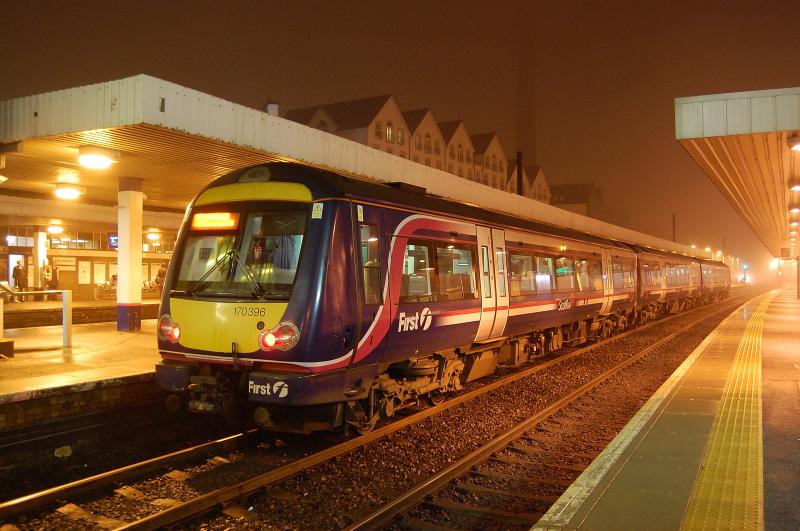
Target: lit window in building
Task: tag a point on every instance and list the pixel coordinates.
(400, 136)
(389, 133)
(460, 153)
(379, 130)
(427, 143)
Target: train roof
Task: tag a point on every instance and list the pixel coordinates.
(328, 184)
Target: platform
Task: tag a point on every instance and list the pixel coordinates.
(32, 313)
(104, 369)
(716, 447)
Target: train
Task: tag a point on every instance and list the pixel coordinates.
(300, 299)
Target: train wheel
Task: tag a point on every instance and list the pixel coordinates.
(435, 397)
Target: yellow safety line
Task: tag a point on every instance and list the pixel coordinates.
(729, 490)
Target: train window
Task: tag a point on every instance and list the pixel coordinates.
(582, 274)
(565, 274)
(370, 264)
(628, 276)
(545, 279)
(617, 276)
(486, 272)
(500, 258)
(596, 275)
(521, 273)
(416, 282)
(456, 275)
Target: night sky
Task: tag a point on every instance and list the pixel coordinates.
(584, 88)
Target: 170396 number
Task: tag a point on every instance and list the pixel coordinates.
(249, 311)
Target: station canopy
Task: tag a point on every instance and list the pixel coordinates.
(742, 141)
(177, 140)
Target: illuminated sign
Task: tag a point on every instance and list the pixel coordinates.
(215, 220)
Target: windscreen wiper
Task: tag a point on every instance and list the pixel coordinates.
(199, 282)
(257, 290)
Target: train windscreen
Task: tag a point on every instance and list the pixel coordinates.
(256, 257)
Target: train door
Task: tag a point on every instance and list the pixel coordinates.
(371, 252)
(494, 283)
(500, 282)
(608, 283)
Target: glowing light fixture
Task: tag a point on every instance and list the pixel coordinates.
(693, 246)
(153, 236)
(68, 191)
(794, 208)
(55, 229)
(3, 179)
(708, 249)
(96, 157)
(794, 223)
(794, 143)
(794, 185)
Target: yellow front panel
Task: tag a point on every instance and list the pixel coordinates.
(213, 326)
(269, 191)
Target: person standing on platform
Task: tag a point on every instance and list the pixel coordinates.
(161, 276)
(20, 279)
(47, 275)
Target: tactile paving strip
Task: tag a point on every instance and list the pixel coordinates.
(729, 490)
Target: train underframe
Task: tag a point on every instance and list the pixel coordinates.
(404, 384)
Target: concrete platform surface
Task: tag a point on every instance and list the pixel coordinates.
(40, 367)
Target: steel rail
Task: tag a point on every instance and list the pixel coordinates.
(45, 497)
(417, 494)
(224, 495)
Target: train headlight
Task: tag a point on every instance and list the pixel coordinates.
(169, 329)
(282, 337)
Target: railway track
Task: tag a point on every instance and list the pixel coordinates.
(151, 510)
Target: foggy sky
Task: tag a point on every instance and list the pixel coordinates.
(583, 88)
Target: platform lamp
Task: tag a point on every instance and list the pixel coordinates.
(794, 143)
(794, 185)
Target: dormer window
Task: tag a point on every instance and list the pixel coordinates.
(379, 130)
(400, 136)
(389, 133)
(460, 153)
(427, 143)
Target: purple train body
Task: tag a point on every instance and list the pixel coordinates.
(305, 300)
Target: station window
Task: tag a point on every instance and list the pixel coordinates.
(370, 263)
(389, 133)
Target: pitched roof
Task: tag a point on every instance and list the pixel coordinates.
(481, 142)
(352, 114)
(448, 129)
(302, 116)
(414, 118)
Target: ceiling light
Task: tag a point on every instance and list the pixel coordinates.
(96, 157)
(794, 185)
(55, 229)
(68, 191)
(794, 208)
(3, 179)
(153, 236)
(794, 143)
(794, 223)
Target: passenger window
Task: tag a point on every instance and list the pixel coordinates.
(416, 285)
(521, 273)
(545, 279)
(596, 275)
(565, 274)
(582, 274)
(617, 276)
(486, 274)
(456, 273)
(370, 264)
(500, 258)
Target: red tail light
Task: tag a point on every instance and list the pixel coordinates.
(169, 329)
(282, 337)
